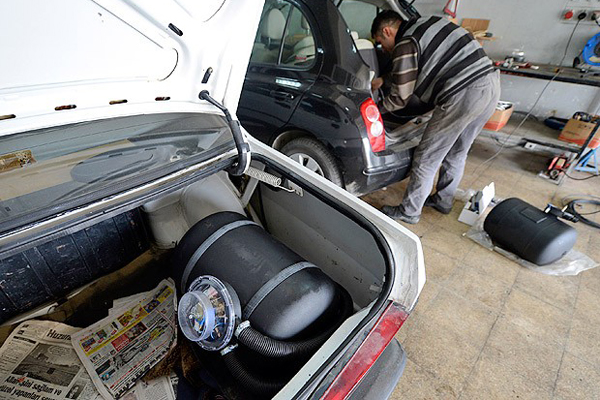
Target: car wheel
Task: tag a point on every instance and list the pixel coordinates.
(313, 155)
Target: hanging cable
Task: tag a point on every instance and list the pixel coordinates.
(558, 71)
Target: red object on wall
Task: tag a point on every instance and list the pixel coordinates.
(451, 7)
(569, 14)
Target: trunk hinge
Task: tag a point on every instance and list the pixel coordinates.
(243, 163)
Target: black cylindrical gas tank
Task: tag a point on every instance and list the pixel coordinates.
(529, 232)
(280, 293)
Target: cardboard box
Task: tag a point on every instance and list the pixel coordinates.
(576, 131)
(500, 116)
(475, 25)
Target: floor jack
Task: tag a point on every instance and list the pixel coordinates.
(584, 160)
(558, 165)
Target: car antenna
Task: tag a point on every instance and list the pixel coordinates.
(242, 147)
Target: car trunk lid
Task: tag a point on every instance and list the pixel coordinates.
(80, 60)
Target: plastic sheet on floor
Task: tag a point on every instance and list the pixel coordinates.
(571, 263)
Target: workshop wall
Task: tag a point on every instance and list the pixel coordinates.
(535, 27)
(561, 99)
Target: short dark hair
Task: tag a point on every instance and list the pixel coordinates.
(383, 19)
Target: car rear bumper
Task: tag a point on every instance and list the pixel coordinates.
(360, 179)
(382, 378)
(364, 171)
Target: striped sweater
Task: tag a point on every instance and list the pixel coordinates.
(433, 59)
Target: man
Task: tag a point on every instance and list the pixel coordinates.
(442, 65)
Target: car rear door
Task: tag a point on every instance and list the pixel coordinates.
(285, 62)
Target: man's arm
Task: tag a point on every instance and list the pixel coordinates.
(403, 75)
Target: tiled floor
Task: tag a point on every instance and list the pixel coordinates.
(486, 328)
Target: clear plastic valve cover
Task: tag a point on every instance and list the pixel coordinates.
(207, 313)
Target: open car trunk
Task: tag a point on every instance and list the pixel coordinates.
(115, 153)
(73, 275)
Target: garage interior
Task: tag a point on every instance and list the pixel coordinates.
(486, 327)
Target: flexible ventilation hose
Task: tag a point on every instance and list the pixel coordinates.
(274, 348)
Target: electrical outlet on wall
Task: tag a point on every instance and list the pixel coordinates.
(589, 10)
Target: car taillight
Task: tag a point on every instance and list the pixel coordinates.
(374, 123)
(377, 340)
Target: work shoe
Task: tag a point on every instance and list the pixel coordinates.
(395, 213)
(431, 203)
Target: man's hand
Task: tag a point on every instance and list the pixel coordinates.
(376, 83)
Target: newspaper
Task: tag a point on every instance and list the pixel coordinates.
(163, 388)
(124, 301)
(119, 349)
(38, 362)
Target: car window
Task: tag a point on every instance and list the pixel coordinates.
(46, 171)
(358, 16)
(299, 44)
(283, 28)
(267, 42)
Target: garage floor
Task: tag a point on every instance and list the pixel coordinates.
(486, 328)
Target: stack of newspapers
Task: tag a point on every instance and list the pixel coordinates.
(46, 360)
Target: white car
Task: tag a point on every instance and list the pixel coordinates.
(115, 140)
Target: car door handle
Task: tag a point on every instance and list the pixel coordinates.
(281, 95)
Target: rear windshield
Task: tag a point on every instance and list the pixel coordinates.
(47, 171)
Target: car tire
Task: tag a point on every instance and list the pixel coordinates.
(315, 156)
